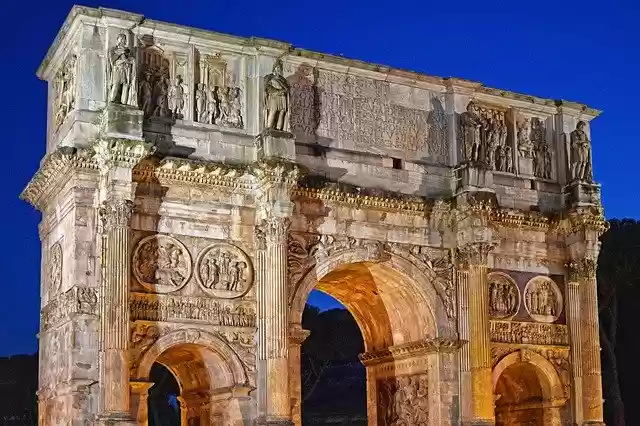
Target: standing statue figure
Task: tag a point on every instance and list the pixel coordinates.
(201, 103)
(580, 153)
(122, 74)
(175, 97)
(276, 99)
(525, 146)
(146, 94)
(471, 125)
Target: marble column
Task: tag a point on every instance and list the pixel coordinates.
(296, 337)
(573, 309)
(462, 277)
(276, 321)
(482, 403)
(592, 403)
(114, 308)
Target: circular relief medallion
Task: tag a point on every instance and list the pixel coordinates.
(504, 296)
(161, 263)
(543, 299)
(55, 267)
(225, 271)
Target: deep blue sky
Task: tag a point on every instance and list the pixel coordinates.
(587, 51)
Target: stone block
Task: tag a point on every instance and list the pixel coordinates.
(274, 144)
(123, 122)
(525, 166)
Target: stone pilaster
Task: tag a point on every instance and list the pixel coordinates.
(479, 348)
(296, 337)
(139, 402)
(275, 182)
(462, 277)
(116, 159)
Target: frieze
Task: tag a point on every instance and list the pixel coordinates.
(529, 333)
(403, 400)
(224, 270)
(161, 263)
(78, 300)
(178, 309)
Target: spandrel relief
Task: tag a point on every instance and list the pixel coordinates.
(483, 135)
(161, 263)
(225, 271)
(64, 90)
(163, 90)
(504, 296)
(543, 299)
(404, 400)
(218, 98)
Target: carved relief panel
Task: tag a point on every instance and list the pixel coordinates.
(536, 155)
(542, 299)
(64, 90)
(54, 269)
(219, 93)
(403, 400)
(162, 264)
(224, 271)
(367, 114)
(483, 137)
(163, 81)
(504, 296)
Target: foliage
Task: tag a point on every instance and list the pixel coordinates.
(18, 386)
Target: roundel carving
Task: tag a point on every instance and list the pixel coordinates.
(504, 296)
(224, 270)
(542, 299)
(161, 263)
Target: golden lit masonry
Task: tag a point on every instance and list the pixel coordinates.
(198, 186)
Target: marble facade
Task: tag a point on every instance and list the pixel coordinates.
(197, 186)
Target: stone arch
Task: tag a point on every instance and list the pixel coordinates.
(414, 293)
(232, 371)
(549, 377)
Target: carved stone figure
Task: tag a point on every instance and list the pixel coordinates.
(235, 109)
(276, 98)
(580, 153)
(175, 97)
(201, 103)
(504, 297)
(64, 89)
(525, 147)
(404, 401)
(508, 155)
(471, 126)
(161, 263)
(223, 270)
(541, 151)
(542, 299)
(143, 336)
(55, 268)
(122, 78)
(146, 93)
(160, 95)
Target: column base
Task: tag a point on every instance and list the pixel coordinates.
(115, 419)
(281, 422)
(594, 424)
(478, 423)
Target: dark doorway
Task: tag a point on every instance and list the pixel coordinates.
(333, 378)
(164, 408)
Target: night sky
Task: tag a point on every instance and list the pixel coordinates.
(587, 51)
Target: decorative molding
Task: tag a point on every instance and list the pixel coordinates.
(56, 169)
(112, 152)
(78, 300)
(409, 350)
(529, 333)
(581, 269)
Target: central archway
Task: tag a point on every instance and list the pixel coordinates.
(402, 319)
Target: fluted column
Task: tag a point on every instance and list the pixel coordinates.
(277, 320)
(462, 277)
(482, 403)
(573, 318)
(590, 335)
(114, 307)
(296, 337)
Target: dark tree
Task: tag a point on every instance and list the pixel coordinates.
(18, 386)
(618, 292)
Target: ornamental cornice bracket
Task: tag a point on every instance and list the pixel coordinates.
(126, 153)
(581, 220)
(54, 170)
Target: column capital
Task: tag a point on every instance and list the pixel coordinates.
(116, 213)
(581, 269)
(275, 229)
(275, 181)
(297, 334)
(113, 152)
(475, 254)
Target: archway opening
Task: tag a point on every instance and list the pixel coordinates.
(333, 378)
(526, 396)
(394, 317)
(163, 403)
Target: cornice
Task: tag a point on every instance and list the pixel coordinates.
(409, 350)
(510, 218)
(55, 170)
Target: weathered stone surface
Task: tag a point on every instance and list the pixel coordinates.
(459, 224)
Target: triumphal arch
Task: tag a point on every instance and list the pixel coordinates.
(197, 186)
